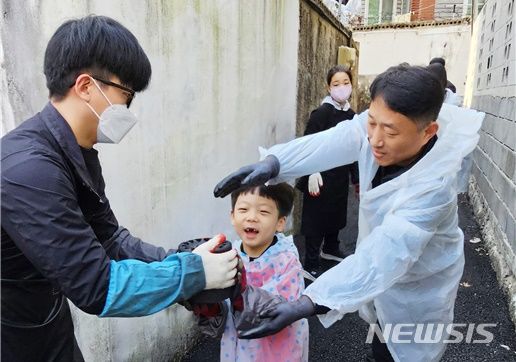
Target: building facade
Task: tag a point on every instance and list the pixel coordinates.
(401, 11)
(491, 88)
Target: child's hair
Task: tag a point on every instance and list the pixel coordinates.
(338, 69)
(410, 90)
(96, 45)
(282, 194)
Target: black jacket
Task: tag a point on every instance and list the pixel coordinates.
(327, 212)
(58, 230)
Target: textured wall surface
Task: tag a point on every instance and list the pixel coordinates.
(319, 41)
(224, 82)
(491, 88)
(320, 36)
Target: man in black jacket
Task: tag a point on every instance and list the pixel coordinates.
(60, 238)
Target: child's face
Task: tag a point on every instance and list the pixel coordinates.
(256, 219)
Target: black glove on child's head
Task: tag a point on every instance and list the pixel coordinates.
(250, 175)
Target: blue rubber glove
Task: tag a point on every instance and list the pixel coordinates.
(250, 175)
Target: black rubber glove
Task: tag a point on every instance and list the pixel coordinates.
(250, 175)
(281, 316)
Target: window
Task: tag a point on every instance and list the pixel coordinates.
(507, 51)
(488, 79)
(405, 6)
(505, 74)
(491, 44)
(493, 25)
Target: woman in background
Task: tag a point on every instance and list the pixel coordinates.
(325, 194)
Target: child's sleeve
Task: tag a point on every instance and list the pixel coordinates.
(290, 283)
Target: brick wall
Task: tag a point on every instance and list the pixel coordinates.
(491, 88)
(422, 9)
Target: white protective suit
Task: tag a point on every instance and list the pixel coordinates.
(467, 162)
(452, 98)
(409, 257)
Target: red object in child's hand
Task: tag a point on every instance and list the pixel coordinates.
(206, 310)
(222, 246)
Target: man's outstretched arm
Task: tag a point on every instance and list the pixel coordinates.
(306, 155)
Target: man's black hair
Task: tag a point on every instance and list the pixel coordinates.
(282, 194)
(410, 90)
(438, 60)
(96, 45)
(338, 69)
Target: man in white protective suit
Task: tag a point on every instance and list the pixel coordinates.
(409, 257)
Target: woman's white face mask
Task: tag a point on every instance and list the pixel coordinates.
(115, 122)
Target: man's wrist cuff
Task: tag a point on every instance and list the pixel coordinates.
(321, 309)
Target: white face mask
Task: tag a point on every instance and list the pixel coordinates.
(115, 122)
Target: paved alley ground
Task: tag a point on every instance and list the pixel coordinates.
(480, 300)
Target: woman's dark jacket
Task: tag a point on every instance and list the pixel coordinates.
(326, 213)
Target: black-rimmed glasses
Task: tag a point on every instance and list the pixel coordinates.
(130, 93)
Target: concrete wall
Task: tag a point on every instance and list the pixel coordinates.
(320, 36)
(491, 88)
(415, 46)
(450, 9)
(224, 82)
